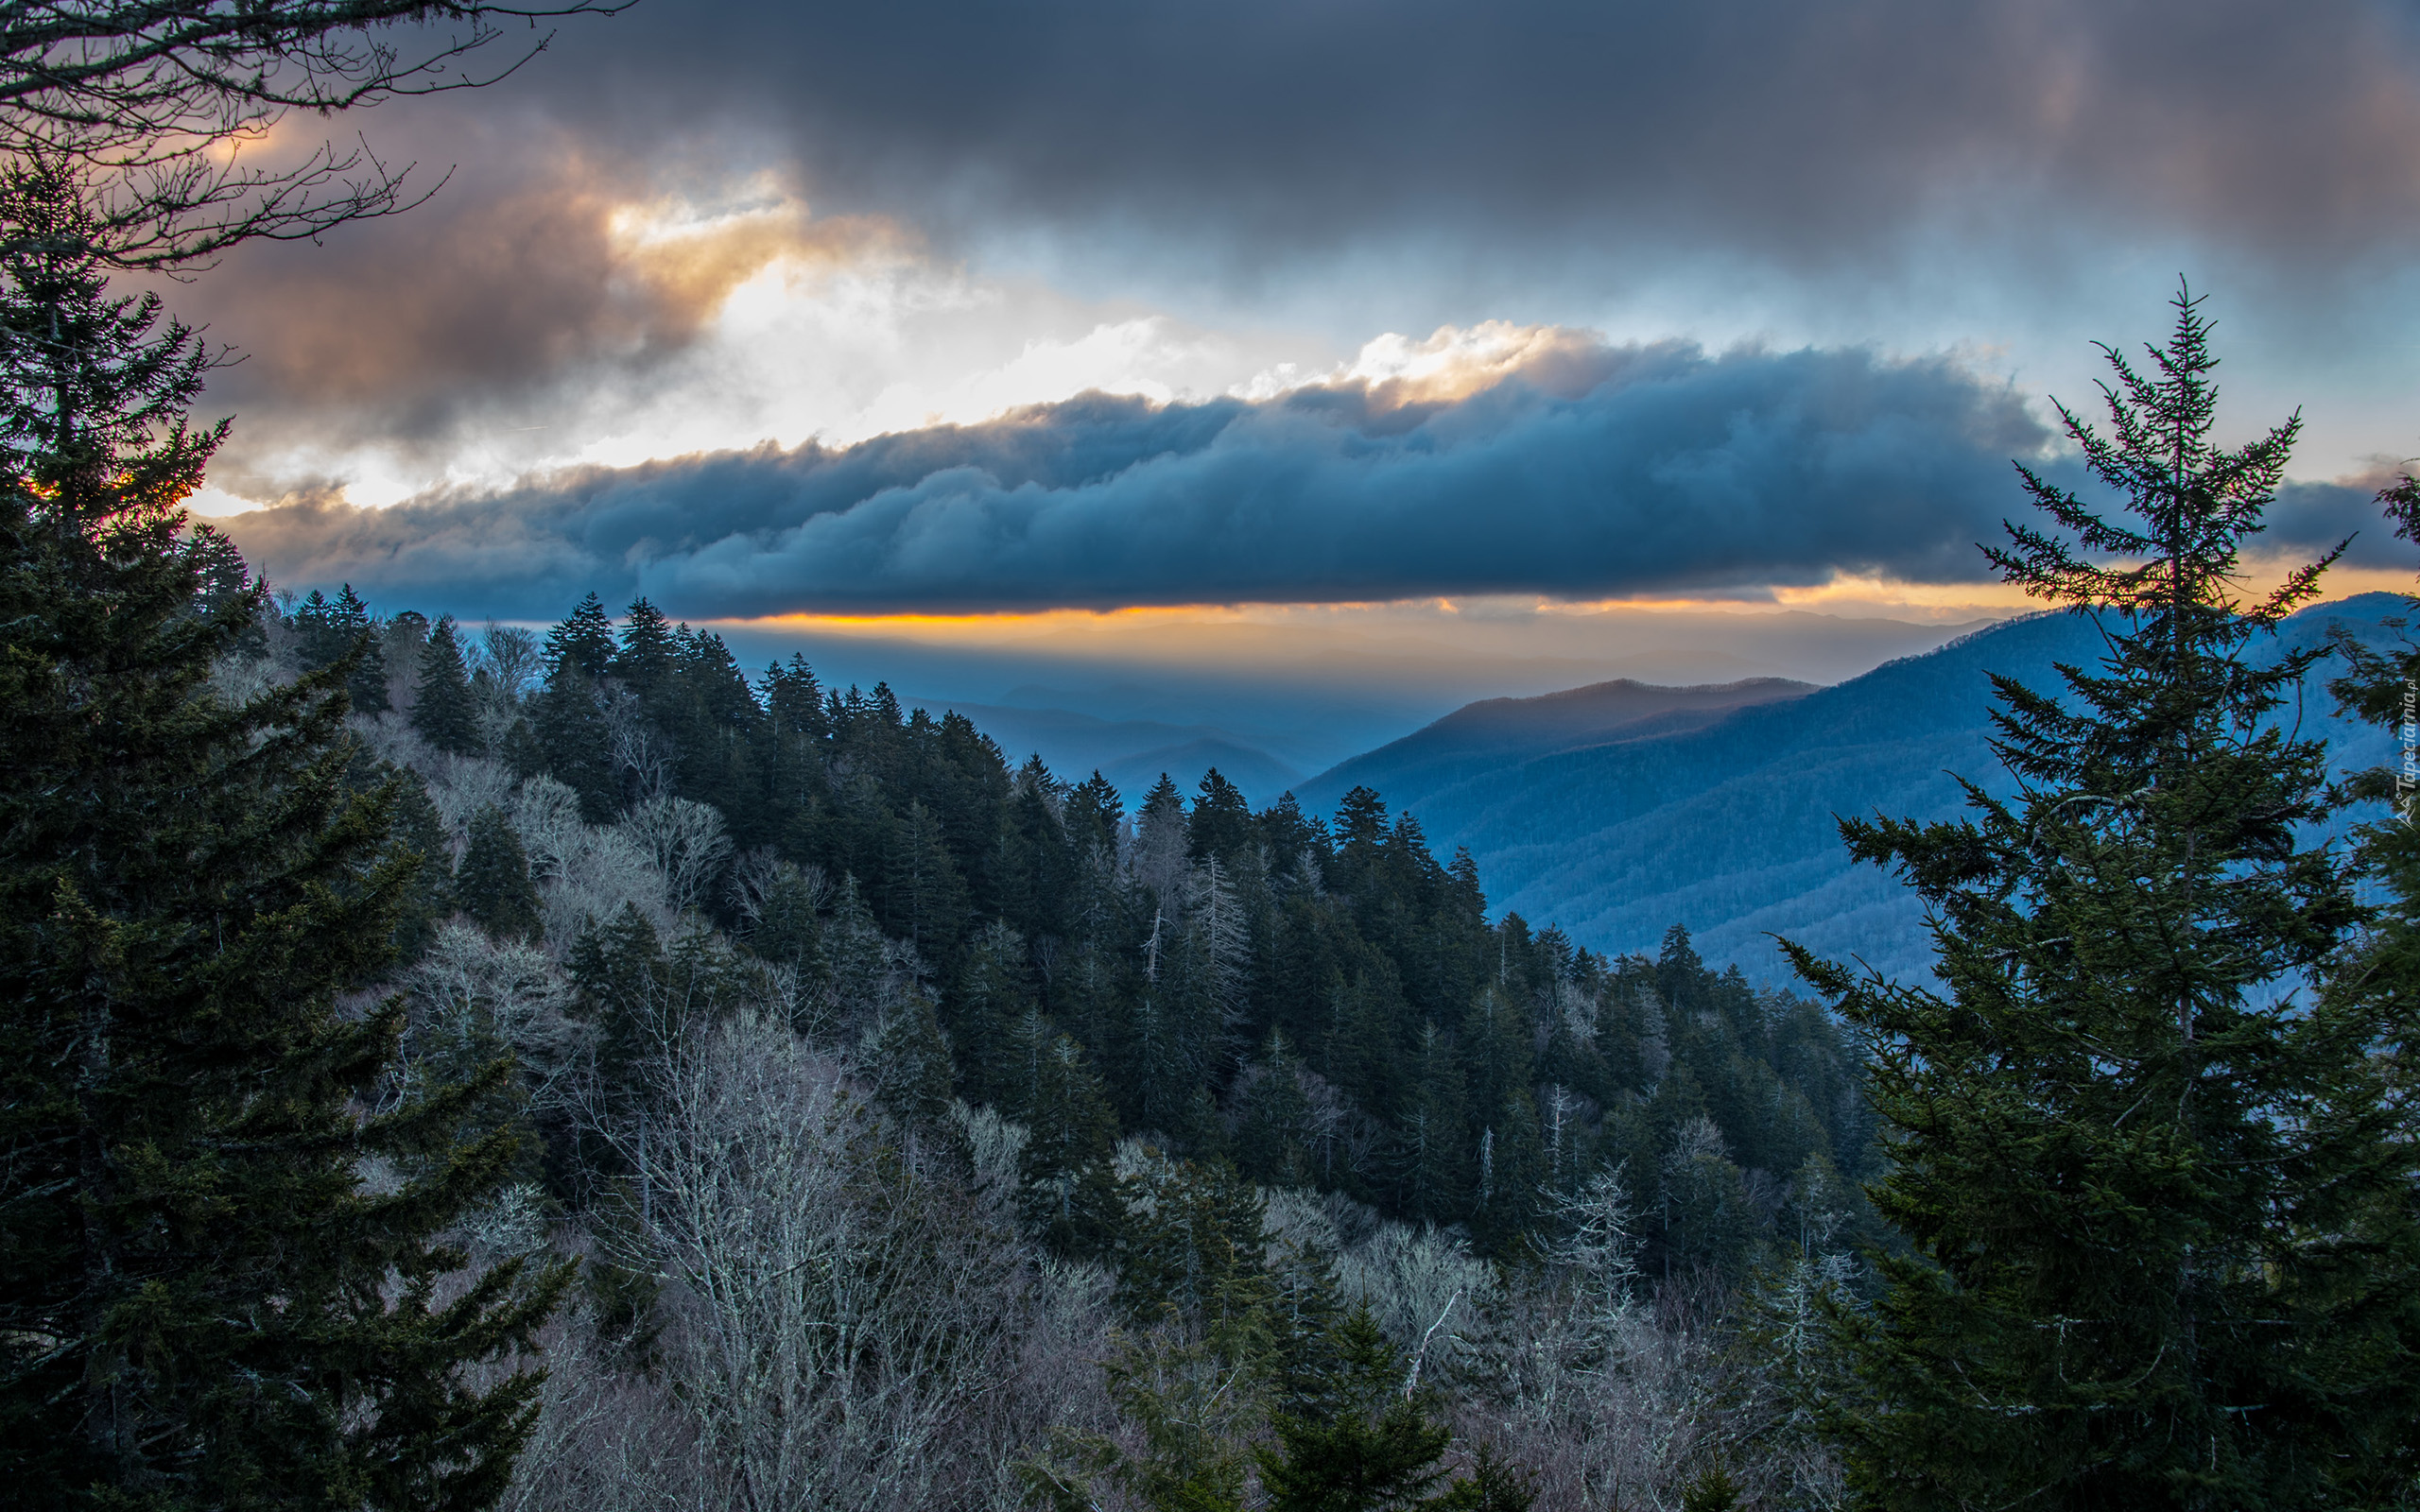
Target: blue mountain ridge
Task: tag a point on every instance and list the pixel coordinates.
(1729, 827)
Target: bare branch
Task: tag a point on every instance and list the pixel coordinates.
(162, 107)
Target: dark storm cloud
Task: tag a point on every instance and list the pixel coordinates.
(1522, 145)
(2311, 517)
(1774, 128)
(1632, 471)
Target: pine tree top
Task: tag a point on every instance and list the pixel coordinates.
(584, 643)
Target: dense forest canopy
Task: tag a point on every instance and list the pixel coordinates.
(1317, 999)
(1264, 1094)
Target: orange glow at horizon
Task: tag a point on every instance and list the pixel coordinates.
(1857, 597)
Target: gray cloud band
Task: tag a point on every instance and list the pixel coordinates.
(1656, 468)
(1784, 131)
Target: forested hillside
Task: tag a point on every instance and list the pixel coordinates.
(1317, 997)
(1297, 1037)
(1730, 829)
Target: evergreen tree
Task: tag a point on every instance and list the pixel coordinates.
(1706, 1217)
(2162, 1225)
(399, 645)
(366, 682)
(1032, 868)
(573, 740)
(1288, 835)
(1220, 824)
(912, 1064)
(444, 712)
(416, 828)
(584, 643)
(1095, 814)
(200, 1303)
(569, 738)
(648, 653)
(314, 645)
(995, 1000)
(1376, 1446)
(1192, 1246)
(795, 699)
(492, 884)
(1360, 831)
(1714, 1490)
(1158, 858)
(1092, 819)
(328, 632)
(925, 902)
(1068, 1191)
(785, 930)
(641, 996)
(1272, 1137)
(1432, 1137)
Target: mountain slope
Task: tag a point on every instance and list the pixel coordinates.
(1260, 776)
(1476, 738)
(1729, 827)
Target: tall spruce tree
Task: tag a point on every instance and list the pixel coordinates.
(327, 633)
(1372, 1445)
(200, 1304)
(648, 654)
(583, 641)
(443, 710)
(1068, 1191)
(367, 683)
(492, 884)
(2161, 1227)
(571, 737)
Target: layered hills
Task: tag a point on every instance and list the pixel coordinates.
(1620, 809)
(1477, 737)
(1131, 753)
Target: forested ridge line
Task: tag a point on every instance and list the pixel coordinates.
(1251, 1092)
(1318, 1000)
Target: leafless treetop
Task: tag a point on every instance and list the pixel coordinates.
(163, 108)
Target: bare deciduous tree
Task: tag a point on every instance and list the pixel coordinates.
(163, 108)
(1598, 1251)
(546, 815)
(836, 1304)
(470, 985)
(1225, 941)
(755, 875)
(1409, 1278)
(640, 755)
(512, 656)
(460, 788)
(506, 662)
(688, 844)
(606, 872)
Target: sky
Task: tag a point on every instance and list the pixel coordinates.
(1375, 355)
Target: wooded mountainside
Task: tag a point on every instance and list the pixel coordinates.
(1729, 825)
(1117, 1025)
(1319, 1001)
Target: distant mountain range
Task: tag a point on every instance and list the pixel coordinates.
(1131, 753)
(1477, 738)
(1620, 809)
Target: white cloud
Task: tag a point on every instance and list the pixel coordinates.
(813, 345)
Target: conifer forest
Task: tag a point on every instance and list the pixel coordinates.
(556, 1067)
